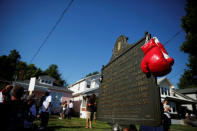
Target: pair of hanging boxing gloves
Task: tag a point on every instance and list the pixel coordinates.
(156, 60)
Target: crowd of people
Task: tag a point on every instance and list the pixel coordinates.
(66, 110)
(19, 110)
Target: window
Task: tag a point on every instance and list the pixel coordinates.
(174, 109)
(170, 105)
(169, 92)
(46, 81)
(162, 90)
(88, 86)
(84, 102)
(42, 81)
(165, 91)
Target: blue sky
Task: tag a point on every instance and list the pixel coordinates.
(84, 39)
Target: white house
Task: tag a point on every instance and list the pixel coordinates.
(192, 93)
(82, 88)
(176, 100)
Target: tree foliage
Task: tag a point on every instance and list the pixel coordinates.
(25, 72)
(189, 78)
(93, 73)
(11, 68)
(53, 71)
(8, 65)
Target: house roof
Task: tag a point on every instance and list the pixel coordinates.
(160, 80)
(187, 90)
(88, 92)
(181, 100)
(91, 91)
(83, 79)
(44, 86)
(186, 97)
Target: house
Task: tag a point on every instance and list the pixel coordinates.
(83, 88)
(176, 100)
(46, 83)
(192, 93)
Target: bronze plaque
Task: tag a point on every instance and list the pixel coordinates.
(127, 96)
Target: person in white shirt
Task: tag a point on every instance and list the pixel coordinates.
(45, 110)
(70, 106)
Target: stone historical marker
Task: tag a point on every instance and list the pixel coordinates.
(127, 96)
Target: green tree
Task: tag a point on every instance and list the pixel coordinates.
(189, 46)
(4, 73)
(8, 65)
(93, 73)
(31, 71)
(12, 68)
(25, 72)
(21, 68)
(53, 71)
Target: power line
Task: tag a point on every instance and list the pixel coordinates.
(175, 74)
(52, 30)
(178, 71)
(173, 77)
(176, 34)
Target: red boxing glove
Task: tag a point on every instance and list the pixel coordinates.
(156, 59)
(169, 59)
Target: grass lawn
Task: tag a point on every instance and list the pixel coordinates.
(182, 128)
(78, 124)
